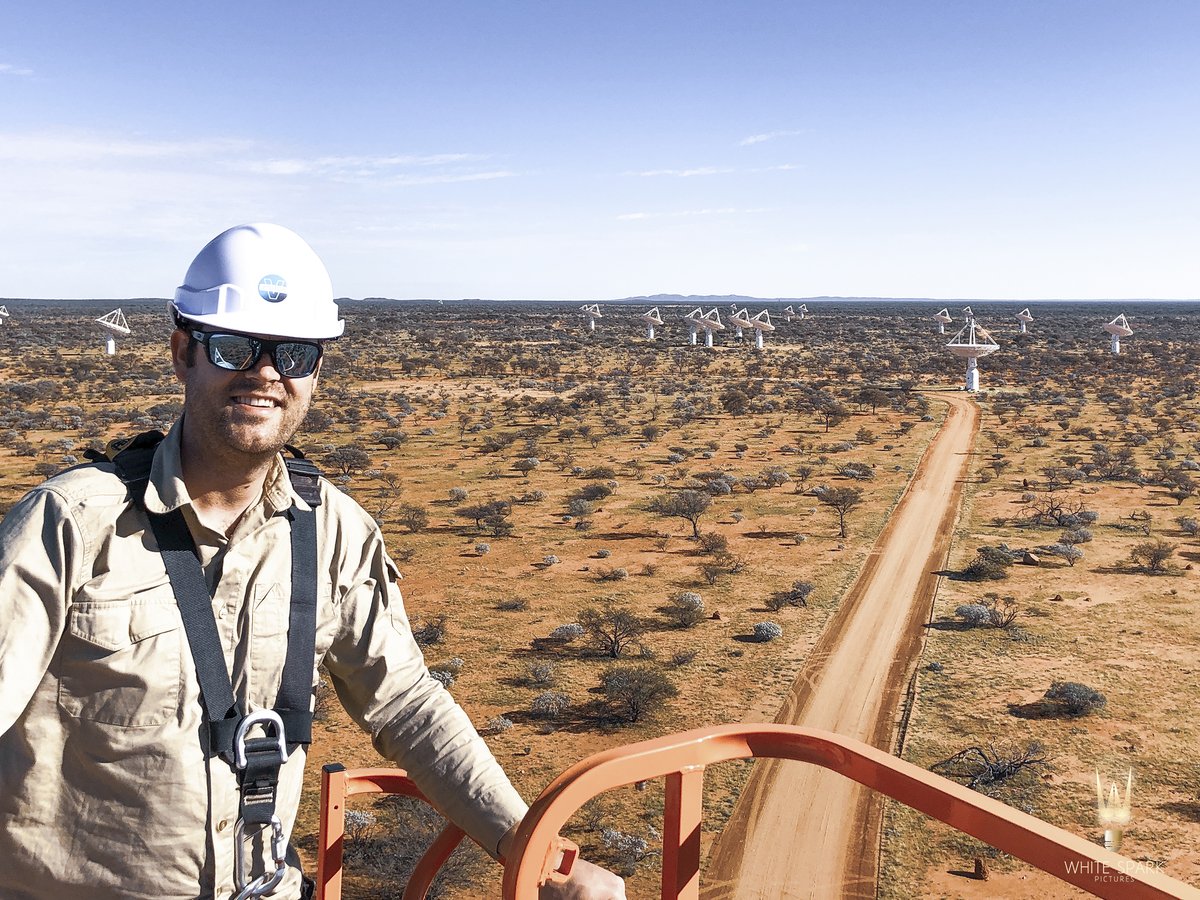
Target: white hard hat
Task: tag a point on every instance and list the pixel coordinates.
(260, 279)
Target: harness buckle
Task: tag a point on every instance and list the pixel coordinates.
(262, 717)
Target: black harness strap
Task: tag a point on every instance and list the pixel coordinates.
(133, 460)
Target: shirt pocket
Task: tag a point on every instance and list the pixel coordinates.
(120, 660)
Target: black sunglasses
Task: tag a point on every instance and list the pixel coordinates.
(239, 352)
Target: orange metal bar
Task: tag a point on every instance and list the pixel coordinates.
(682, 815)
(1066, 856)
(338, 783)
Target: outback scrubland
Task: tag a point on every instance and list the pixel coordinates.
(605, 539)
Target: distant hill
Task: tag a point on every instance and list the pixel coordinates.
(742, 298)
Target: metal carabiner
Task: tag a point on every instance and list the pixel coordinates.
(262, 717)
(268, 880)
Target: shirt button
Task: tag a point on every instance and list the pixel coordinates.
(222, 825)
(221, 614)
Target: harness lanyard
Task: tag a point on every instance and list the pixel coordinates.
(256, 760)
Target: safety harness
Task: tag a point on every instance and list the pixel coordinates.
(255, 760)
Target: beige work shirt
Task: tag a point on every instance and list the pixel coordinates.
(105, 788)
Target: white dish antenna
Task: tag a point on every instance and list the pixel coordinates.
(788, 314)
(3, 312)
(1024, 317)
(710, 322)
(803, 310)
(740, 319)
(114, 321)
(966, 311)
(761, 323)
(972, 342)
(651, 317)
(592, 311)
(943, 318)
(1118, 328)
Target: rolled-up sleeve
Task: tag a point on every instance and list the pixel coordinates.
(39, 549)
(381, 679)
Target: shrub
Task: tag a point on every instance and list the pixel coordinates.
(541, 674)
(617, 574)
(550, 560)
(1075, 698)
(681, 658)
(713, 543)
(1189, 525)
(992, 611)
(767, 631)
(431, 632)
(989, 564)
(550, 705)
(459, 494)
(797, 595)
(687, 609)
(603, 554)
(497, 724)
(612, 628)
(974, 614)
(513, 604)
(1076, 535)
(1152, 555)
(627, 850)
(567, 633)
(413, 516)
(442, 676)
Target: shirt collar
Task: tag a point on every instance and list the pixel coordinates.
(167, 490)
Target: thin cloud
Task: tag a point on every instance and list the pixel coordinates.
(448, 178)
(57, 148)
(766, 136)
(684, 173)
(358, 166)
(688, 213)
(10, 69)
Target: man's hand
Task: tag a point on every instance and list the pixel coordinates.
(587, 882)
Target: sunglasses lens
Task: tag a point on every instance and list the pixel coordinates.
(231, 351)
(296, 360)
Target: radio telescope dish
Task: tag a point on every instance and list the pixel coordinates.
(592, 311)
(972, 342)
(740, 318)
(1118, 328)
(3, 314)
(943, 319)
(761, 323)
(710, 322)
(651, 317)
(966, 311)
(1024, 317)
(115, 323)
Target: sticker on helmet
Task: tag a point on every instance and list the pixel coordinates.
(272, 288)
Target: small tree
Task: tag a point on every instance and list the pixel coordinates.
(690, 505)
(767, 631)
(612, 628)
(841, 500)
(636, 692)
(1069, 552)
(1152, 555)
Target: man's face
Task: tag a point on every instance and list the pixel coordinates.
(254, 412)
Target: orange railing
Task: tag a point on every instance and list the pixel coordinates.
(682, 758)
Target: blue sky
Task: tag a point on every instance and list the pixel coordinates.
(588, 150)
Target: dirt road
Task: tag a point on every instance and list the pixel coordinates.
(802, 831)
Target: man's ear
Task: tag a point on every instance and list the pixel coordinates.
(179, 353)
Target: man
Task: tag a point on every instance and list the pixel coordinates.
(164, 614)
